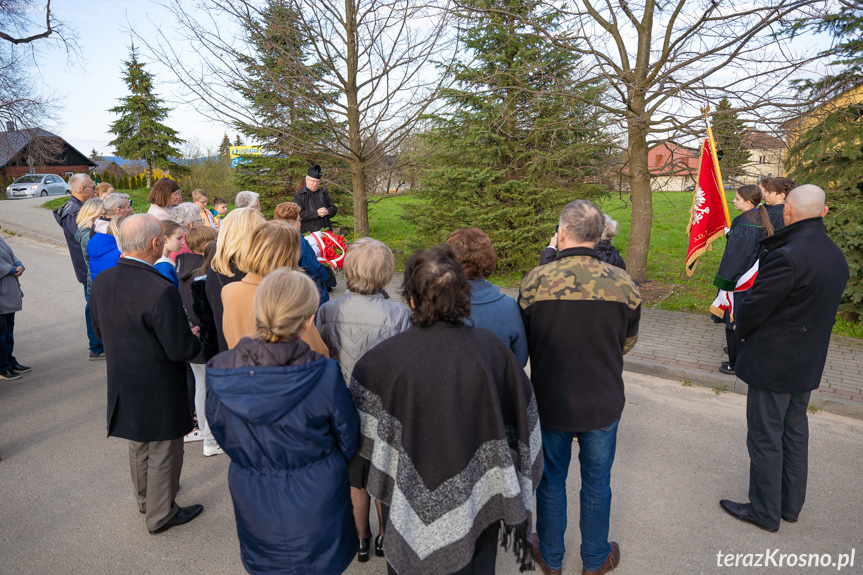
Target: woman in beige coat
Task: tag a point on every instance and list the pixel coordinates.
(273, 245)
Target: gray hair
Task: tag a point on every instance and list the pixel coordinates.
(114, 201)
(77, 181)
(610, 229)
(246, 199)
(583, 221)
(137, 233)
(185, 214)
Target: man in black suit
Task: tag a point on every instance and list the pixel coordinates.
(316, 207)
(786, 319)
(139, 316)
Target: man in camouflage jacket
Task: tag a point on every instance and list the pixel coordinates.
(581, 316)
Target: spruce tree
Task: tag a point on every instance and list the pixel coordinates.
(225, 148)
(732, 138)
(513, 149)
(140, 133)
(827, 147)
(281, 118)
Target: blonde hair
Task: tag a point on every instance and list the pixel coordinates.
(273, 245)
(369, 266)
(89, 212)
(235, 233)
(102, 189)
(283, 302)
(199, 194)
(114, 226)
(199, 236)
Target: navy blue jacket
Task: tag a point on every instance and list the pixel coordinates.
(495, 311)
(286, 419)
(315, 269)
(787, 316)
(66, 216)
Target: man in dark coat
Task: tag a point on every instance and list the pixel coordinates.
(786, 319)
(139, 315)
(82, 189)
(581, 316)
(316, 207)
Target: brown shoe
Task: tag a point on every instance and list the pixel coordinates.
(612, 561)
(534, 541)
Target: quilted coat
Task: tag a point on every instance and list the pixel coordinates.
(285, 417)
(353, 324)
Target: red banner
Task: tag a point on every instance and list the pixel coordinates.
(709, 214)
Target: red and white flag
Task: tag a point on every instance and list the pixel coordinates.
(709, 214)
(725, 299)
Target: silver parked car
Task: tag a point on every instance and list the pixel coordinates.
(32, 185)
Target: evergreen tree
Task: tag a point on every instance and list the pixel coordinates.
(731, 138)
(140, 135)
(827, 147)
(280, 118)
(225, 148)
(513, 149)
(96, 156)
(238, 141)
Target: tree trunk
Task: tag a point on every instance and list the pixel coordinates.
(361, 203)
(642, 201)
(357, 162)
(149, 174)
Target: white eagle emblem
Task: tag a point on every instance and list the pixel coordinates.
(700, 209)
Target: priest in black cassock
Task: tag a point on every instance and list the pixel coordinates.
(316, 207)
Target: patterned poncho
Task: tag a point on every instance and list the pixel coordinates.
(449, 422)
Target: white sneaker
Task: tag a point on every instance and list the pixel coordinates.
(195, 435)
(209, 451)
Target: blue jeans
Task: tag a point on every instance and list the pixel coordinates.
(595, 457)
(95, 344)
(7, 341)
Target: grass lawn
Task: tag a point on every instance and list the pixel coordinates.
(139, 200)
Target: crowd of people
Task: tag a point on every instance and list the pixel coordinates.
(219, 328)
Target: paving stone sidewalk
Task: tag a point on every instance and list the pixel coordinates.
(674, 345)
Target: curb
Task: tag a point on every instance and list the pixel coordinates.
(717, 380)
(31, 233)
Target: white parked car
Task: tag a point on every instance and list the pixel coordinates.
(32, 185)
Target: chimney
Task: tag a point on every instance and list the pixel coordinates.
(10, 126)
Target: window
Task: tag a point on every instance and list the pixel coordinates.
(762, 159)
(68, 175)
(659, 158)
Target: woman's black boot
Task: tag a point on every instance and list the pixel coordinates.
(363, 553)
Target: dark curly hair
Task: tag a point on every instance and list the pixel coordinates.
(436, 283)
(472, 248)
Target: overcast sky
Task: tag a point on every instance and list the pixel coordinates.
(101, 28)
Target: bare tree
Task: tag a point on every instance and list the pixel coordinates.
(23, 102)
(662, 60)
(364, 77)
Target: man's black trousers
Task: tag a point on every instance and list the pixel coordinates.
(778, 443)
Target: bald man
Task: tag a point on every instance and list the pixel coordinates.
(786, 319)
(139, 316)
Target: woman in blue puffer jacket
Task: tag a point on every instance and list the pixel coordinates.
(284, 415)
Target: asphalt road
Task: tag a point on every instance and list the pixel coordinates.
(66, 502)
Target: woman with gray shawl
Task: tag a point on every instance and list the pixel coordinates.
(449, 423)
(10, 302)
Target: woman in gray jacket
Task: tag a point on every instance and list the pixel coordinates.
(10, 302)
(350, 326)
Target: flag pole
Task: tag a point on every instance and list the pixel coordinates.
(721, 186)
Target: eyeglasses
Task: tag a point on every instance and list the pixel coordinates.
(91, 187)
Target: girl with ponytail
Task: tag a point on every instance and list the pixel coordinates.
(741, 255)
